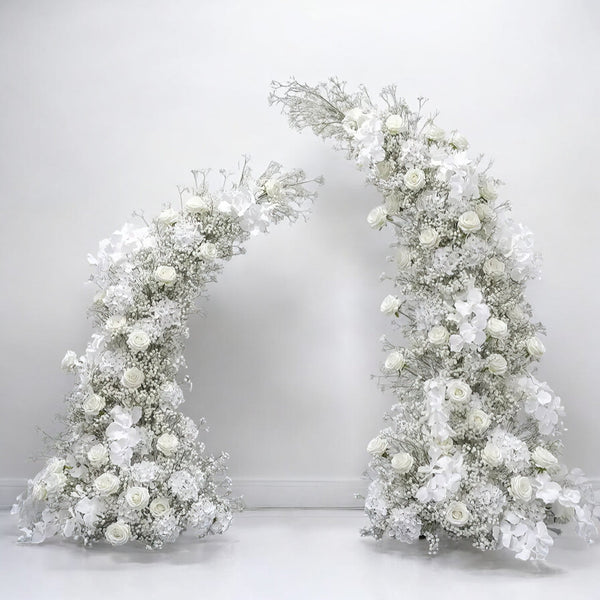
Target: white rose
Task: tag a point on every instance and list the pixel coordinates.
(355, 116)
(55, 482)
(69, 361)
(98, 455)
(115, 323)
(458, 391)
(138, 340)
(515, 313)
(429, 238)
(496, 364)
(160, 507)
(93, 404)
(38, 492)
(469, 222)
(494, 267)
(377, 218)
(459, 141)
(414, 179)
(394, 361)
(390, 305)
(167, 443)
(55, 465)
(497, 329)
(487, 190)
(395, 124)
(543, 458)
(491, 455)
(535, 347)
(377, 445)
(107, 484)
(132, 378)
(521, 488)
(485, 212)
(208, 251)
(165, 275)
(118, 533)
(403, 257)
(168, 217)
(478, 420)
(273, 187)
(197, 204)
(137, 497)
(402, 462)
(457, 514)
(434, 133)
(438, 335)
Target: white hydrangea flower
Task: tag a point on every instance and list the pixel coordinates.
(183, 485)
(542, 404)
(144, 471)
(404, 524)
(445, 474)
(528, 540)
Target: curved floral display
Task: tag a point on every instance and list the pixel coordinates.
(129, 465)
(473, 443)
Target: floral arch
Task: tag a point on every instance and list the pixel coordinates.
(472, 444)
(128, 464)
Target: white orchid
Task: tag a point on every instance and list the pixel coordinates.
(122, 435)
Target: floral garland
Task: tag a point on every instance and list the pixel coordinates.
(472, 445)
(128, 465)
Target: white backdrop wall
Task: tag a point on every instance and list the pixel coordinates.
(106, 105)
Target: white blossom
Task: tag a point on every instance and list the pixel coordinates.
(395, 124)
(402, 462)
(377, 218)
(167, 443)
(138, 340)
(377, 445)
(457, 514)
(535, 347)
(69, 361)
(118, 533)
(122, 435)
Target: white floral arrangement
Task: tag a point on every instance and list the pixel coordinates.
(472, 447)
(129, 465)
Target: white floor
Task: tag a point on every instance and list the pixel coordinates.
(290, 554)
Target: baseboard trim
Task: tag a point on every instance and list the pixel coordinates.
(257, 493)
(10, 488)
(282, 493)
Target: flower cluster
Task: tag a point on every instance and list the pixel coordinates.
(472, 447)
(128, 465)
